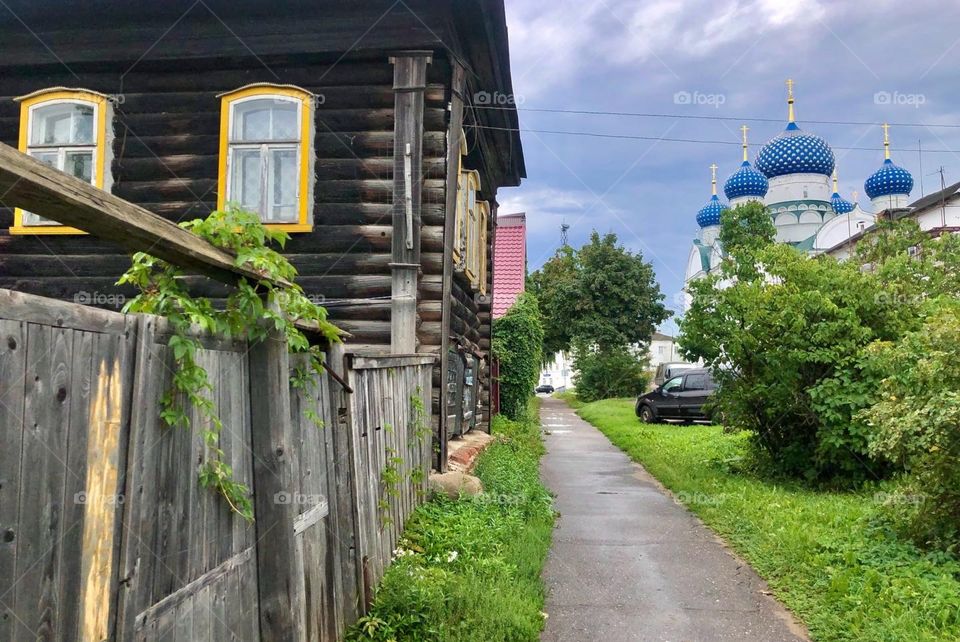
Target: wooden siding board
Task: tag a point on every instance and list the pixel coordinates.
(13, 368)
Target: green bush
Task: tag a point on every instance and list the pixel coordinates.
(607, 373)
(787, 338)
(518, 345)
(916, 423)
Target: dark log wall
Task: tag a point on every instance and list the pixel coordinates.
(167, 120)
(166, 159)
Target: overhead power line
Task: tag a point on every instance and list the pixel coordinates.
(755, 119)
(667, 139)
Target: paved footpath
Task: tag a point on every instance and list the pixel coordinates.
(628, 563)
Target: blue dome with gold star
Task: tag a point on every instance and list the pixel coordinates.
(709, 214)
(889, 179)
(746, 181)
(795, 152)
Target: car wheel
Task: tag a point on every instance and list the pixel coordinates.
(646, 415)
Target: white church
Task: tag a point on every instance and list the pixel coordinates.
(792, 178)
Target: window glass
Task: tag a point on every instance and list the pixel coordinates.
(265, 119)
(673, 385)
(283, 163)
(62, 124)
(61, 135)
(696, 382)
(265, 149)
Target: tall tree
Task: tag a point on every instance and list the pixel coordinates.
(601, 294)
(554, 285)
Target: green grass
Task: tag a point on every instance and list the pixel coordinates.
(469, 569)
(827, 555)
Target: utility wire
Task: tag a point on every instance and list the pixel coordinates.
(666, 139)
(591, 112)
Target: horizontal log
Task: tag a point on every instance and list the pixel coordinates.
(341, 263)
(333, 97)
(37, 265)
(430, 310)
(178, 189)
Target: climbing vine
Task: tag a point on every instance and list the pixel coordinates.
(518, 344)
(250, 311)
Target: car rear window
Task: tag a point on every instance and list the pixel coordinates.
(699, 382)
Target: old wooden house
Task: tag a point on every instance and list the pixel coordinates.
(376, 133)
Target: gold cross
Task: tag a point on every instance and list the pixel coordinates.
(835, 179)
(886, 140)
(744, 129)
(713, 179)
(790, 88)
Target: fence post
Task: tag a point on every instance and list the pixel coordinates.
(275, 475)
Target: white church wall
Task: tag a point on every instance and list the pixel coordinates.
(799, 187)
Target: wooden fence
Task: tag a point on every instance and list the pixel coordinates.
(106, 533)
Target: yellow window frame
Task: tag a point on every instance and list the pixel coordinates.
(483, 245)
(460, 208)
(40, 98)
(471, 236)
(304, 193)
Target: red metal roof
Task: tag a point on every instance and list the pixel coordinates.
(509, 261)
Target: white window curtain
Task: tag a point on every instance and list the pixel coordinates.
(264, 157)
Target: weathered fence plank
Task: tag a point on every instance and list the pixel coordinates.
(122, 542)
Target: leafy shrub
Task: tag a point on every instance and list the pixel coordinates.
(469, 569)
(787, 338)
(518, 345)
(916, 423)
(603, 373)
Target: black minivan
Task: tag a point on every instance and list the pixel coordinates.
(682, 397)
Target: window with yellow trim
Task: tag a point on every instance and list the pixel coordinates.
(460, 214)
(482, 245)
(266, 154)
(465, 234)
(66, 129)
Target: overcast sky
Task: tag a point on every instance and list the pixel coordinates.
(851, 61)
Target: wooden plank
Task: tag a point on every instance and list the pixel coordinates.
(20, 306)
(13, 364)
(341, 483)
(140, 517)
(275, 474)
(37, 599)
(189, 591)
(409, 83)
(87, 505)
(457, 85)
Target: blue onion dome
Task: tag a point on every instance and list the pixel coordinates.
(746, 181)
(889, 179)
(840, 204)
(795, 152)
(709, 214)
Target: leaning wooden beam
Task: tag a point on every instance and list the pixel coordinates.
(33, 186)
